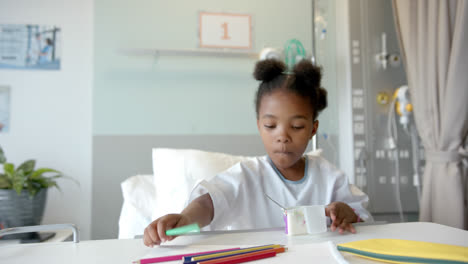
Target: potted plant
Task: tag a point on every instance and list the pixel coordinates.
(23, 193)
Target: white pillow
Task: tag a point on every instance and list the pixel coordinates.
(138, 202)
(177, 171)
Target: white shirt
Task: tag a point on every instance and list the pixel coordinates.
(238, 193)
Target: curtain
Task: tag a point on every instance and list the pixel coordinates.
(433, 37)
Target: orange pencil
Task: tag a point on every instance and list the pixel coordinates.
(246, 257)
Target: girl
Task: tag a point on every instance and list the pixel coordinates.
(287, 106)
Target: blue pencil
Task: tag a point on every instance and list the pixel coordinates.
(230, 255)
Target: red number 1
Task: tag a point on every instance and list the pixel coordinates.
(225, 28)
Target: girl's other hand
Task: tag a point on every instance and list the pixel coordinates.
(342, 217)
(155, 233)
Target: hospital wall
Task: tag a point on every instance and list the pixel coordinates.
(97, 118)
(51, 110)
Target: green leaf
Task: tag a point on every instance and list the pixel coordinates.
(18, 181)
(35, 184)
(54, 177)
(52, 184)
(9, 168)
(40, 182)
(32, 188)
(5, 183)
(2, 156)
(27, 166)
(38, 173)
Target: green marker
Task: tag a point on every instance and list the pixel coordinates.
(193, 228)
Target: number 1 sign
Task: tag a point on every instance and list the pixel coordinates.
(221, 30)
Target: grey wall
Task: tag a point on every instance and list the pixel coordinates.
(115, 158)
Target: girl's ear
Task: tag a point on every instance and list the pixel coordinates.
(258, 124)
(314, 128)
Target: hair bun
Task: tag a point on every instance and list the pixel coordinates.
(322, 101)
(267, 70)
(308, 73)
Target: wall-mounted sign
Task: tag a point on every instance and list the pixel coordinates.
(29, 47)
(223, 30)
(4, 109)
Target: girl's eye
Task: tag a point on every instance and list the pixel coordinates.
(269, 126)
(298, 127)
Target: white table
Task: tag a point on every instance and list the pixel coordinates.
(128, 250)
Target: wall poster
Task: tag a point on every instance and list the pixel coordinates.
(30, 47)
(4, 109)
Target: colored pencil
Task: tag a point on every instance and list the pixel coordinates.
(242, 258)
(179, 257)
(243, 250)
(189, 258)
(277, 250)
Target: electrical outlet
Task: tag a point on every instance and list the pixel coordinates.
(358, 118)
(358, 102)
(382, 179)
(358, 128)
(404, 180)
(358, 92)
(359, 143)
(355, 43)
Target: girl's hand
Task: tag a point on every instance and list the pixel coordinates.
(342, 216)
(155, 233)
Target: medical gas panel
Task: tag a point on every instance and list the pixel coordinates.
(376, 74)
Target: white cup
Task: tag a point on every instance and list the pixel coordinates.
(315, 219)
(306, 220)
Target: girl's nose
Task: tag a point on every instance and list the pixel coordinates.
(282, 137)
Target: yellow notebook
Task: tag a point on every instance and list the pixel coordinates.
(406, 251)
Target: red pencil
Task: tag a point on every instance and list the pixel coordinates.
(178, 257)
(245, 257)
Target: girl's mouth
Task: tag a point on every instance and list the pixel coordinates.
(283, 152)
